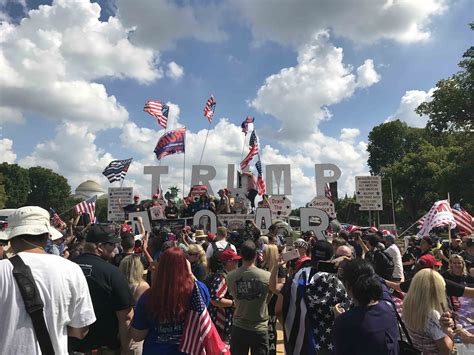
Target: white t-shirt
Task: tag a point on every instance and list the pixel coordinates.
(394, 252)
(65, 294)
(221, 244)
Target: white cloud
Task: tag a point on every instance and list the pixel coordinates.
(349, 134)
(9, 115)
(50, 60)
(366, 74)
(160, 23)
(406, 110)
(361, 21)
(6, 153)
(175, 71)
(299, 96)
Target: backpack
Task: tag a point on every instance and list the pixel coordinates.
(214, 262)
(383, 264)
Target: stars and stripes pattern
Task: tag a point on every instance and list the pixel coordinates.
(327, 191)
(159, 111)
(245, 125)
(308, 311)
(262, 189)
(439, 215)
(222, 317)
(254, 149)
(56, 220)
(87, 206)
(200, 336)
(463, 218)
(117, 169)
(210, 108)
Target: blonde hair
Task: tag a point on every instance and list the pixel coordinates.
(457, 257)
(196, 248)
(427, 292)
(131, 266)
(270, 256)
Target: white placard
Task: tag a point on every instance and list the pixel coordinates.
(114, 210)
(280, 206)
(369, 193)
(325, 204)
(157, 212)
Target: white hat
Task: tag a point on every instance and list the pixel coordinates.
(31, 220)
(55, 234)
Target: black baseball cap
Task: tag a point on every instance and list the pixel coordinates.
(102, 233)
(321, 250)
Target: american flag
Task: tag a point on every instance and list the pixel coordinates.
(117, 169)
(158, 110)
(200, 336)
(209, 108)
(262, 189)
(245, 124)
(87, 206)
(328, 192)
(254, 149)
(439, 215)
(463, 218)
(57, 221)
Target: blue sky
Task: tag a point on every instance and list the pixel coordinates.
(316, 75)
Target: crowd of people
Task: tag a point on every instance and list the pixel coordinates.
(109, 289)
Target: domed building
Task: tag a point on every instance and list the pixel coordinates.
(89, 188)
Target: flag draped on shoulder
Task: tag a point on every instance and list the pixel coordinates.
(117, 169)
(172, 142)
(159, 111)
(245, 125)
(262, 189)
(87, 206)
(200, 336)
(463, 218)
(210, 108)
(254, 149)
(439, 215)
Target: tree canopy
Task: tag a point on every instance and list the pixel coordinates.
(47, 189)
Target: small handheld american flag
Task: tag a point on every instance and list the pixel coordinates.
(210, 108)
(117, 169)
(87, 206)
(200, 336)
(159, 111)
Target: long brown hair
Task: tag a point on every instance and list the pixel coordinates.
(171, 288)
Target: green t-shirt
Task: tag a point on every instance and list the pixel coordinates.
(249, 288)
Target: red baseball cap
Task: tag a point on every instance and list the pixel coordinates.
(229, 255)
(429, 261)
(125, 228)
(210, 237)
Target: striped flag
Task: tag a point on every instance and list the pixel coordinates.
(159, 111)
(439, 215)
(210, 108)
(117, 169)
(328, 192)
(262, 189)
(200, 336)
(87, 206)
(56, 220)
(254, 149)
(245, 124)
(463, 218)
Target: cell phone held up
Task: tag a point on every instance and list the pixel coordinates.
(290, 255)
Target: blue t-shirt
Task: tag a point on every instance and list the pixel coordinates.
(162, 338)
(368, 330)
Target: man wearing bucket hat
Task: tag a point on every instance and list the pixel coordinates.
(61, 284)
(110, 294)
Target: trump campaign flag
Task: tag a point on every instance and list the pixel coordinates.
(170, 143)
(439, 215)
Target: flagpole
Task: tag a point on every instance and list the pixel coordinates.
(205, 141)
(449, 227)
(393, 203)
(166, 129)
(243, 147)
(184, 162)
(406, 230)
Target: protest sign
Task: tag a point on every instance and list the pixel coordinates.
(280, 206)
(325, 204)
(157, 212)
(369, 193)
(115, 210)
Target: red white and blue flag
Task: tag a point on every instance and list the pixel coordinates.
(200, 336)
(327, 191)
(159, 111)
(88, 207)
(172, 142)
(56, 220)
(262, 189)
(254, 149)
(210, 108)
(439, 215)
(463, 218)
(245, 124)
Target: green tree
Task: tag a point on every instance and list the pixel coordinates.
(48, 189)
(101, 209)
(452, 105)
(3, 194)
(16, 183)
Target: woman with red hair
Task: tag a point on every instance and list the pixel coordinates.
(161, 311)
